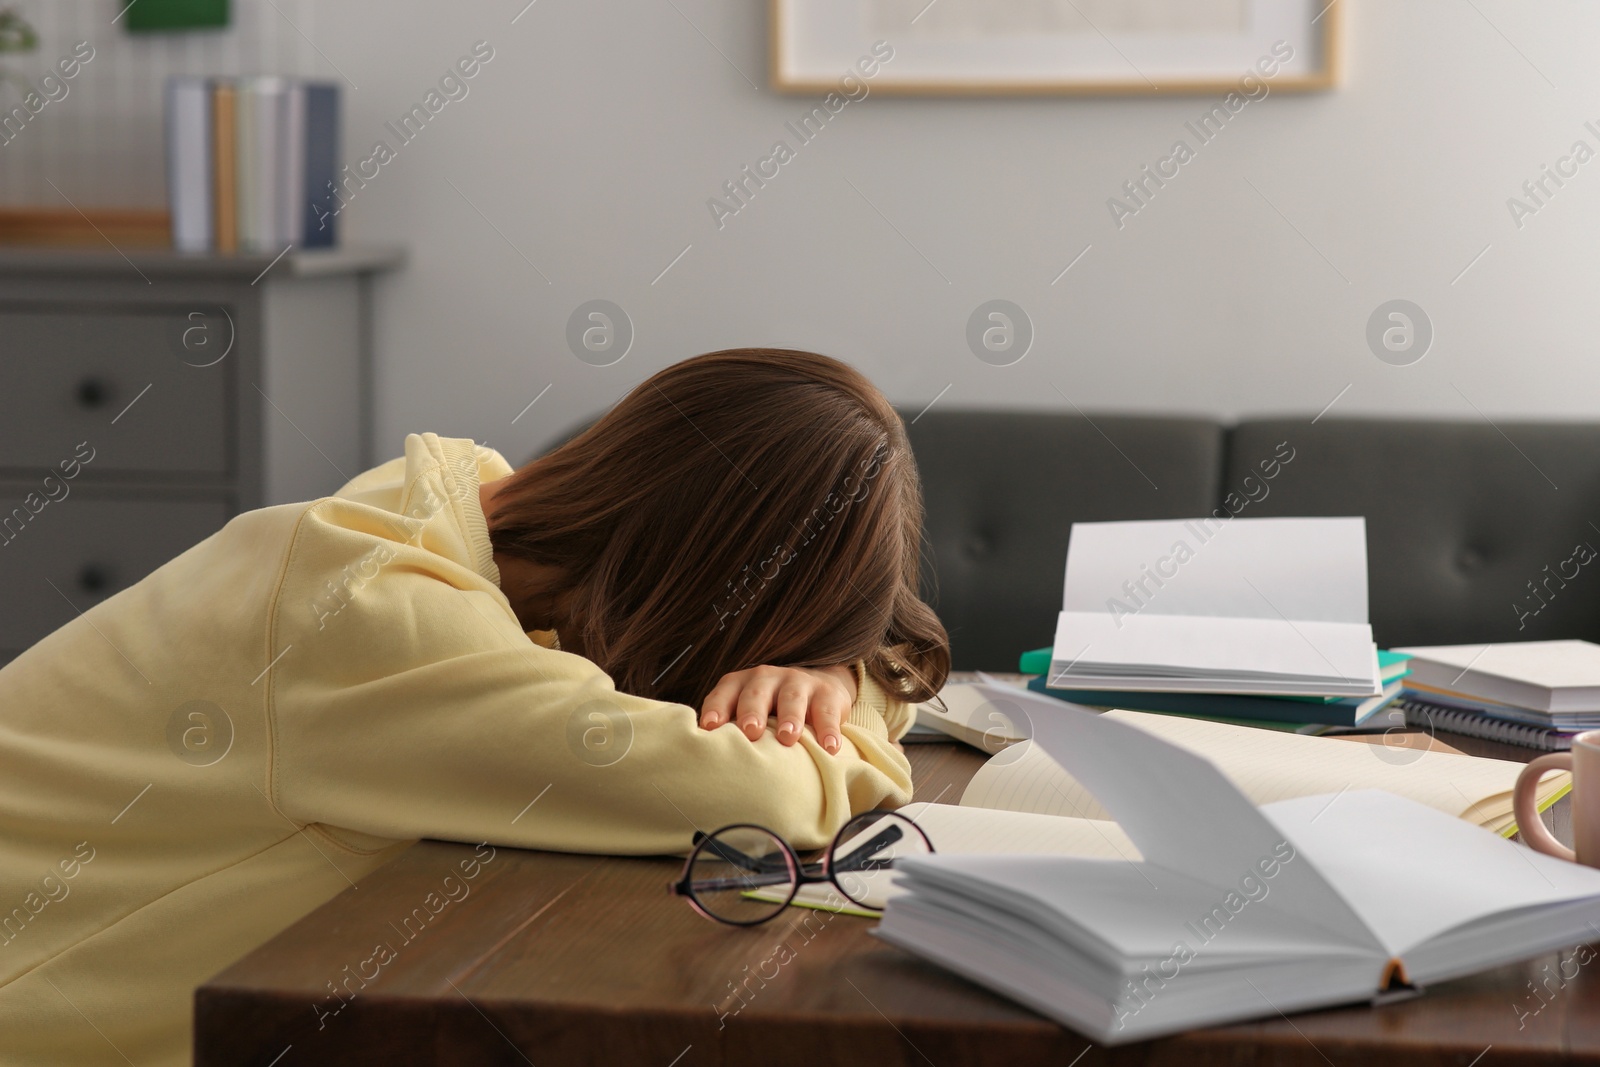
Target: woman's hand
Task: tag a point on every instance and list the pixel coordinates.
(820, 696)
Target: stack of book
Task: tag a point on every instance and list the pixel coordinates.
(1300, 713)
(251, 163)
(1536, 694)
(1261, 621)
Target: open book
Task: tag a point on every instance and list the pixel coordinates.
(1265, 765)
(1264, 606)
(1223, 910)
(1022, 801)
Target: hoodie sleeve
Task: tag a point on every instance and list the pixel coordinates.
(897, 716)
(418, 708)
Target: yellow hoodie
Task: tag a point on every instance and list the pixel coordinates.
(194, 764)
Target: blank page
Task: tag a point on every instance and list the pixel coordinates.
(979, 831)
(1125, 915)
(1178, 808)
(1413, 874)
(1301, 569)
(1151, 646)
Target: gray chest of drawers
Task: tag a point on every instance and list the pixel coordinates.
(147, 399)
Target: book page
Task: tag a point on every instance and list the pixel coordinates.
(967, 715)
(1181, 812)
(1414, 875)
(1154, 651)
(979, 831)
(1268, 765)
(1308, 570)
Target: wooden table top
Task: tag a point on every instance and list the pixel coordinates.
(556, 959)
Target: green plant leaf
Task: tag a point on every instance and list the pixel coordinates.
(15, 33)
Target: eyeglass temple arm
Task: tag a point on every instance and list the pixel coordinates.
(743, 859)
(866, 856)
(712, 885)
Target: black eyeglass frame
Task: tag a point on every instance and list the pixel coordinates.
(791, 871)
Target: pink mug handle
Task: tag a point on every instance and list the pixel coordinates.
(1524, 802)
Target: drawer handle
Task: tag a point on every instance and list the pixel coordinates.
(94, 392)
(94, 578)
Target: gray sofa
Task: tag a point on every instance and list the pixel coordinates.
(1475, 532)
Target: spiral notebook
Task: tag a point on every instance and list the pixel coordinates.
(1428, 716)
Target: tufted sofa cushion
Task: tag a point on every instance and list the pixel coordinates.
(1002, 490)
(1473, 532)
(1461, 518)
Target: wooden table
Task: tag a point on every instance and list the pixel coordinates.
(561, 959)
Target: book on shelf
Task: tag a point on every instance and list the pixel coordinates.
(252, 163)
(1140, 886)
(319, 102)
(224, 171)
(1248, 606)
(188, 131)
(247, 176)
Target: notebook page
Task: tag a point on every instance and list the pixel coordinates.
(977, 831)
(1266, 765)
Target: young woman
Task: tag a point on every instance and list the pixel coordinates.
(701, 610)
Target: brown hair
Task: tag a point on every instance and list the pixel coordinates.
(746, 507)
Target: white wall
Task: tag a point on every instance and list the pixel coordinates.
(595, 136)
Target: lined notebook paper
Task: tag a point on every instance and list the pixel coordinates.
(1267, 766)
(963, 830)
(1022, 802)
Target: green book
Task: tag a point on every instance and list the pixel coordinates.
(1233, 707)
(1391, 665)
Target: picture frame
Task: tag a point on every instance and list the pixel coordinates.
(1056, 47)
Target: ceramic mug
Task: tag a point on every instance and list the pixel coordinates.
(1584, 763)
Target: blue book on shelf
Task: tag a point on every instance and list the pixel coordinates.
(321, 164)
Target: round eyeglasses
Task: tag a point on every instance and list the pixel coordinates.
(745, 874)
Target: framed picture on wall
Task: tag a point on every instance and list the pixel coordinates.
(1042, 47)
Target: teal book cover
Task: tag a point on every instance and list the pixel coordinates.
(1391, 666)
(1348, 711)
